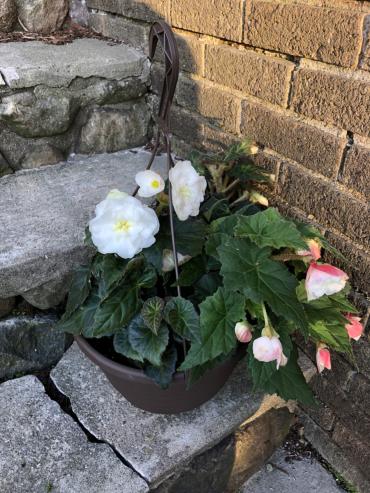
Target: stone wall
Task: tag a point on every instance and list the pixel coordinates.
(294, 75)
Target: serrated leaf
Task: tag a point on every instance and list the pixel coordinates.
(218, 315)
(163, 374)
(122, 346)
(332, 333)
(150, 346)
(181, 316)
(309, 232)
(152, 313)
(215, 208)
(82, 319)
(247, 171)
(108, 270)
(192, 271)
(260, 372)
(189, 234)
(79, 289)
(248, 268)
(116, 311)
(207, 285)
(289, 382)
(269, 228)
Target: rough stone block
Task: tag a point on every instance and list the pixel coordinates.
(356, 448)
(317, 148)
(325, 201)
(221, 18)
(28, 344)
(42, 449)
(333, 97)
(63, 199)
(262, 76)
(356, 173)
(326, 34)
(150, 10)
(34, 63)
(358, 260)
(8, 15)
(78, 12)
(115, 127)
(127, 30)
(42, 16)
(291, 475)
(335, 455)
(186, 125)
(5, 169)
(172, 456)
(219, 107)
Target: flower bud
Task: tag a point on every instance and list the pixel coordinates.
(253, 149)
(324, 279)
(267, 349)
(243, 332)
(323, 359)
(258, 198)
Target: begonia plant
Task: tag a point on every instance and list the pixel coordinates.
(251, 280)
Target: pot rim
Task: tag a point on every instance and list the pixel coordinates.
(117, 368)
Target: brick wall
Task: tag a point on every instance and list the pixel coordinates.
(294, 75)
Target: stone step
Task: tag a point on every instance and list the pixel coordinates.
(86, 96)
(214, 448)
(43, 450)
(43, 215)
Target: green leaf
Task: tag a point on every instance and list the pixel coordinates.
(189, 234)
(181, 316)
(289, 382)
(220, 229)
(247, 171)
(79, 289)
(269, 228)
(163, 374)
(309, 232)
(149, 345)
(260, 372)
(218, 315)
(192, 271)
(152, 313)
(115, 312)
(82, 319)
(214, 208)
(247, 267)
(332, 333)
(122, 346)
(108, 270)
(207, 285)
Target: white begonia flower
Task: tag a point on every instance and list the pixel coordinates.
(111, 198)
(188, 189)
(123, 225)
(150, 183)
(168, 263)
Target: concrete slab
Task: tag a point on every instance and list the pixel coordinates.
(43, 450)
(44, 212)
(299, 476)
(33, 63)
(156, 446)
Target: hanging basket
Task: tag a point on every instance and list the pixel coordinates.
(132, 383)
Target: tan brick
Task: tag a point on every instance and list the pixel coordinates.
(219, 107)
(358, 261)
(356, 173)
(317, 148)
(247, 71)
(365, 58)
(325, 34)
(221, 18)
(333, 97)
(325, 201)
(131, 32)
(356, 447)
(216, 140)
(191, 51)
(150, 10)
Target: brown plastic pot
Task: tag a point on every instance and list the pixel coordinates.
(144, 393)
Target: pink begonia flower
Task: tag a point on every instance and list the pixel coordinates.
(324, 279)
(314, 250)
(354, 328)
(323, 359)
(268, 349)
(243, 332)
